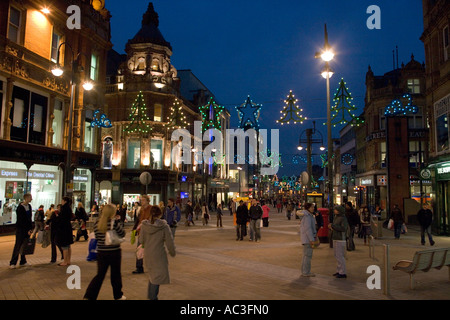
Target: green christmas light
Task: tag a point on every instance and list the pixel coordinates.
(210, 114)
(291, 112)
(177, 119)
(138, 117)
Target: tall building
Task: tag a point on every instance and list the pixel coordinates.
(145, 106)
(35, 104)
(436, 16)
(392, 146)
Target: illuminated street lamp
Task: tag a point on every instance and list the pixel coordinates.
(327, 55)
(58, 71)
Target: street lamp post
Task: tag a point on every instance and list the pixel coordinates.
(87, 85)
(327, 55)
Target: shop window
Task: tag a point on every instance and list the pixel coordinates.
(382, 120)
(156, 154)
(14, 24)
(107, 153)
(442, 133)
(56, 124)
(134, 154)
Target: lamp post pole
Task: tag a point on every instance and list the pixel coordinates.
(330, 141)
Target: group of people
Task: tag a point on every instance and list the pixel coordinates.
(57, 221)
(155, 230)
(256, 216)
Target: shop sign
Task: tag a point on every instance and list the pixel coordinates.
(21, 174)
(376, 135)
(442, 106)
(381, 181)
(425, 174)
(81, 178)
(443, 171)
(366, 181)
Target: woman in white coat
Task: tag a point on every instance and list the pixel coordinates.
(155, 236)
(308, 236)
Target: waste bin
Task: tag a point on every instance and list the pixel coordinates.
(322, 234)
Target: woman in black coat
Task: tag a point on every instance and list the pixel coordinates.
(64, 233)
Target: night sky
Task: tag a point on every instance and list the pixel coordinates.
(266, 48)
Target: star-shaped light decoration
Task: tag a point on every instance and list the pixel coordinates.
(211, 115)
(249, 113)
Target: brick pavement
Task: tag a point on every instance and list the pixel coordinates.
(211, 265)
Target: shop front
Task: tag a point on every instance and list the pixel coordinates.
(441, 203)
(42, 181)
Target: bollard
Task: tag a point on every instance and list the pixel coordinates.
(386, 282)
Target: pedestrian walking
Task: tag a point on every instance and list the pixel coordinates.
(241, 220)
(265, 217)
(366, 224)
(81, 217)
(135, 210)
(24, 228)
(338, 235)
(107, 255)
(354, 220)
(172, 215)
(289, 209)
(143, 214)
(155, 236)
(279, 206)
(39, 223)
(425, 218)
(397, 217)
(205, 214)
(52, 224)
(308, 235)
(219, 214)
(64, 233)
(255, 214)
(190, 214)
(197, 210)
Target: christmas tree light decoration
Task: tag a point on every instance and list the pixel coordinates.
(177, 119)
(396, 107)
(343, 107)
(291, 112)
(138, 117)
(211, 115)
(249, 113)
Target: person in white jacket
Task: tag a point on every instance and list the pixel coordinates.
(308, 236)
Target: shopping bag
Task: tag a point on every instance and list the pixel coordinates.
(92, 248)
(28, 246)
(40, 237)
(404, 229)
(391, 224)
(133, 236)
(46, 238)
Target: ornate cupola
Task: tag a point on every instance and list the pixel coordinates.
(148, 53)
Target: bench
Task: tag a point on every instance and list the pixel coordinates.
(425, 261)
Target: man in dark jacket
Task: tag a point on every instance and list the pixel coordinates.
(353, 220)
(24, 228)
(255, 214)
(397, 217)
(425, 217)
(241, 220)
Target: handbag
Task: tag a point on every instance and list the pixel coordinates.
(28, 246)
(40, 237)
(316, 243)
(112, 238)
(133, 236)
(92, 248)
(46, 241)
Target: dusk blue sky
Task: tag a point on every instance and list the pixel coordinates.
(266, 48)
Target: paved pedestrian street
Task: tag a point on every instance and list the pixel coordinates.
(211, 265)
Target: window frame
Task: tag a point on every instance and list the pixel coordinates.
(19, 27)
